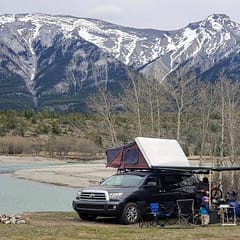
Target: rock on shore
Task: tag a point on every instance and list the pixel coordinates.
(13, 219)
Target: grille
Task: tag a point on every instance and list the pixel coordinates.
(90, 206)
(93, 195)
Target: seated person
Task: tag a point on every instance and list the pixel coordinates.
(203, 186)
(201, 189)
(232, 200)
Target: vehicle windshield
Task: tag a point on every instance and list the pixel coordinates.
(123, 180)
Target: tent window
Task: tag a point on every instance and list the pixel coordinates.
(131, 156)
(112, 154)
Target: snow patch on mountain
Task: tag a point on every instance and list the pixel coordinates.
(34, 44)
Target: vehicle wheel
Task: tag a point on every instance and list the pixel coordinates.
(130, 213)
(216, 193)
(88, 217)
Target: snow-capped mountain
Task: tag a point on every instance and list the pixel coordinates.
(199, 47)
(56, 60)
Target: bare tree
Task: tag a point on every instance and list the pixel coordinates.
(152, 95)
(181, 93)
(222, 112)
(160, 100)
(103, 101)
(132, 94)
(205, 105)
(225, 93)
(232, 103)
(232, 91)
(150, 102)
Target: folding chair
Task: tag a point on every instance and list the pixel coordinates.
(185, 211)
(157, 216)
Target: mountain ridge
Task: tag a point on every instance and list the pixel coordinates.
(45, 57)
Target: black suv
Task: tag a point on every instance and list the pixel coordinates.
(126, 195)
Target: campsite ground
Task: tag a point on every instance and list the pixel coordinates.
(67, 226)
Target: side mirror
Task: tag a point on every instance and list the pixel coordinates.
(150, 184)
(102, 180)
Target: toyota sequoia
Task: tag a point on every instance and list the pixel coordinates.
(127, 195)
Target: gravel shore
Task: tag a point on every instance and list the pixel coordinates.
(75, 175)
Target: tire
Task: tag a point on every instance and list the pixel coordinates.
(216, 193)
(130, 214)
(87, 217)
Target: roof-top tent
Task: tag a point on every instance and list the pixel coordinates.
(144, 153)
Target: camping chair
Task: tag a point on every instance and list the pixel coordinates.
(157, 216)
(150, 218)
(185, 211)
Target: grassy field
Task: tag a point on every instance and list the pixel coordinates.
(55, 225)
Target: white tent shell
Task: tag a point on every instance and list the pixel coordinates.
(162, 152)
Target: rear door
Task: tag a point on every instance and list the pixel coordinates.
(151, 188)
(172, 190)
(172, 186)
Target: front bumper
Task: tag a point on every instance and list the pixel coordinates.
(100, 208)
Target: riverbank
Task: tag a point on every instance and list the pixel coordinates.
(60, 172)
(4, 160)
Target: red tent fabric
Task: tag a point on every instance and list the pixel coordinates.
(126, 157)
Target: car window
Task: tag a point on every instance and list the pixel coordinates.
(170, 181)
(123, 180)
(151, 181)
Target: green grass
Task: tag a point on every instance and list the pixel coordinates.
(55, 225)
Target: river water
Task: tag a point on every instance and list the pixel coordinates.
(19, 195)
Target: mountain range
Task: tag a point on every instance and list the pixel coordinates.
(57, 61)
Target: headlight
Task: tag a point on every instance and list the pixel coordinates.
(79, 193)
(115, 196)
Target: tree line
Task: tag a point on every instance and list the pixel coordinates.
(203, 116)
(45, 133)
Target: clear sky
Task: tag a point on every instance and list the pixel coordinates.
(157, 14)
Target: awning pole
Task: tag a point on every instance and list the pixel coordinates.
(210, 188)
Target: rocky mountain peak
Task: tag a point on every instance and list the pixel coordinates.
(45, 57)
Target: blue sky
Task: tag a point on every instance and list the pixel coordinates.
(157, 14)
